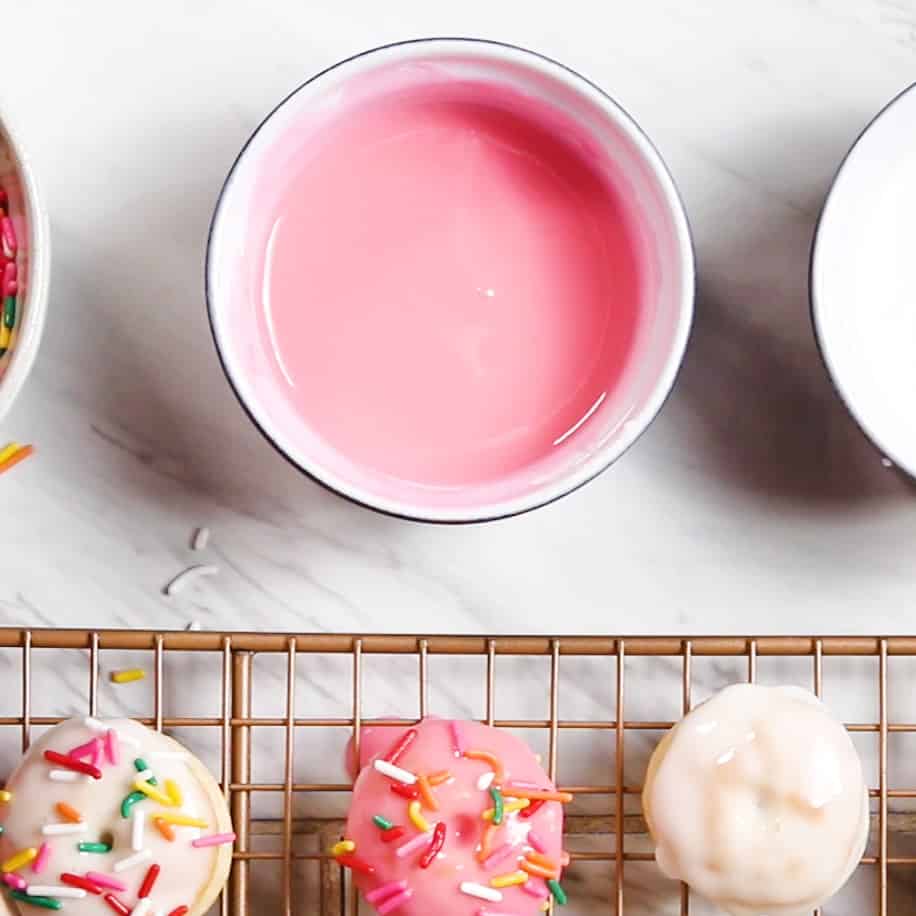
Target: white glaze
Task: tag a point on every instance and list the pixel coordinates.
(756, 799)
(187, 874)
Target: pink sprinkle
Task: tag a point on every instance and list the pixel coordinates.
(391, 905)
(536, 842)
(84, 750)
(98, 752)
(536, 889)
(457, 738)
(41, 860)
(214, 839)
(386, 890)
(8, 234)
(103, 880)
(418, 842)
(498, 855)
(111, 747)
(17, 882)
(9, 279)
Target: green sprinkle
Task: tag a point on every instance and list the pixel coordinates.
(497, 797)
(558, 893)
(9, 312)
(94, 847)
(49, 903)
(140, 765)
(130, 801)
(382, 822)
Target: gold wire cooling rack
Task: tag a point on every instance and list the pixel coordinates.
(615, 835)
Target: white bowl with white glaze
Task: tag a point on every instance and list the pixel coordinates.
(863, 281)
(33, 260)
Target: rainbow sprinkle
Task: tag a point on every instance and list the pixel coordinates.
(127, 676)
(510, 880)
(558, 893)
(416, 818)
(214, 839)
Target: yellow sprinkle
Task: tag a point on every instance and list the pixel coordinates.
(125, 677)
(5, 796)
(8, 451)
(508, 808)
(23, 857)
(516, 877)
(343, 847)
(545, 906)
(153, 793)
(180, 820)
(4, 338)
(173, 790)
(416, 818)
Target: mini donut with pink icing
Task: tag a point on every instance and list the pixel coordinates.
(455, 818)
(106, 817)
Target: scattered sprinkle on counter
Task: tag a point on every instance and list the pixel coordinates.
(127, 676)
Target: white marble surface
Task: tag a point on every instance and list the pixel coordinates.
(752, 504)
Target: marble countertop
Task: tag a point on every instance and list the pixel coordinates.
(752, 504)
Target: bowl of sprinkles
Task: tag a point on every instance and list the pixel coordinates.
(24, 266)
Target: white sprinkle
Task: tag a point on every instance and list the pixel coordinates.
(389, 769)
(142, 908)
(485, 781)
(189, 575)
(136, 830)
(201, 539)
(169, 755)
(63, 829)
(138, 858)
(479, 891)
(52, 890)
(63, 775)
(144, 775)
(97, 725)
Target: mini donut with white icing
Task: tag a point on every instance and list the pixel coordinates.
(156, 824)
(756, 799)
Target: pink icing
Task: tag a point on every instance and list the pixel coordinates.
(461, 803)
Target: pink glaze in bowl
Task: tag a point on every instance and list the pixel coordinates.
(450, 279)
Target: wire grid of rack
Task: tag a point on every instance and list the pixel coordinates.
(235, 722)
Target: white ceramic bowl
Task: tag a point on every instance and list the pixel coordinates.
(33, 263)
(863, 281)
(639, 172)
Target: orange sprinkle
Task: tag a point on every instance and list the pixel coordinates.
(16, 457)
(542, 860)
(495, 763)
(69, 813)
(165, 829)
(436, 779)
(486, 841)
(537, 795)
(538, 870)
(426, 793)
